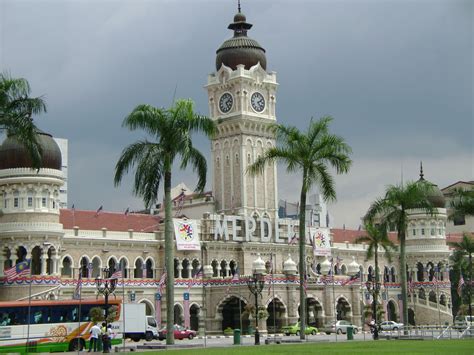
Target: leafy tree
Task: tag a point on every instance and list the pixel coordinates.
(97, 314)
(462, 203)
(393, 209)
(377, 238)
(171, 130)
(312, 153)
(466, 248)
(16, 111)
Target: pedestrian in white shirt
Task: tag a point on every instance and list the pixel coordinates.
(95, 334)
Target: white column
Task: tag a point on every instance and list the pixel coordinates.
(44, 260)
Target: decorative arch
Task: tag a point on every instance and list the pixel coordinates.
(343, 308)
(67, 265)
(178, 314)
(96, 266)
(149, 306)
(149, 267)
(138, 268)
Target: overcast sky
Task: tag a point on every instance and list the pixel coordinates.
(396, 75)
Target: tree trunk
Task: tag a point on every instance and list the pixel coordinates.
(169, 259)
(302, 267)
(403, 273)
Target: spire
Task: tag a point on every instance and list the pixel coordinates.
(238, 7)
(421, 171)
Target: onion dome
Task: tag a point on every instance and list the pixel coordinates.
(15, 155)
(353, 267)
(436, 197)
(325, 267)
(258, 265)
(289, 266)
(240, 49)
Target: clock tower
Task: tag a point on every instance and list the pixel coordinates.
(242, 102)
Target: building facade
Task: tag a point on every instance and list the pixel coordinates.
(237, 224)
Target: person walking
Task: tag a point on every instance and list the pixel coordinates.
(95, 334)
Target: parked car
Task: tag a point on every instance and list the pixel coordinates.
(340, 327)
(180, 333)
(295, 329)
(390, 325)
(461, 322)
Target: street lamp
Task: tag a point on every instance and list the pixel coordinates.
(106, 286)
(255, 284)
(374, 287)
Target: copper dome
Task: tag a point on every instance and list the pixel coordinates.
(436, 197)
(14, 155)
(240, 49)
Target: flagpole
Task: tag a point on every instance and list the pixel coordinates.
(123, 305)
(29, 311)
(437, 299)
(80, 306)
(334, 296)
(274, 314)
(240, 307)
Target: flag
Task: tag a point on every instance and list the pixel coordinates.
(235, 278)
(117, 274)
(162, 282)
(197, 275)
(270, 283)
(460, 285)
(98, 210)
(435, 280)
(353, 279)
(77, 291)
(72, 208)
(19, 270)
(293, 239)
(127, 211)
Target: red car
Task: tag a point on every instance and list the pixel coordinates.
(179, 333)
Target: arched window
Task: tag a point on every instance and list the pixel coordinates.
(386, 274)
(196, 266)
(393, 274)
(138, 271)
(223, 271)
(419, 272)
(149, 268)
(176, 268)
(66, 270)
(185, 271)
(215, 271)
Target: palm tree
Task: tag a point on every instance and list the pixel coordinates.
(376, 238)
(171, 130)
(466, 247)
(16, 110)
(311, 153)
(393, 210)
(462, 203)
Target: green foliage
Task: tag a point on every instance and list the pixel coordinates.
(97, 314)
(16, 114)
(312, 153)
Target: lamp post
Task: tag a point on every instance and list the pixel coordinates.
(255, 284)
(374, 287)
(106, 286)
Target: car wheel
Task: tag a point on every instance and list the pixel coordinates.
(327, 333)
(313, 332)
(339, 331)
(148, 336)
(297, 333)
(395, 329)
(190, 337)
(287, 334)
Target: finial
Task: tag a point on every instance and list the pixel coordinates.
(421, 171)
(238, 6)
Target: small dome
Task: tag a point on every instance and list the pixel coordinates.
(325, 267)
(353, 267)
(240, 49)
(436, 197)
(258, 265)
(289, 266)
(15, 155)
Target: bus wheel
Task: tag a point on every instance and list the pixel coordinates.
(76, 344)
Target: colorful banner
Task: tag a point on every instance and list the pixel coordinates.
(319, 238)
(187, 237)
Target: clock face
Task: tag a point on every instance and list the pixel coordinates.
(258, 102)
(225, 102)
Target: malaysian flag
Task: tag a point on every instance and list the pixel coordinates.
(196, 276)
(352, 279)
(235, 278)
(117, 275)
(460, 285)
(127, 211)
(77, 291)
(99, 210)
(162, 282)
(19, 270)
(411, 284)
(293, 239)
(270, 281)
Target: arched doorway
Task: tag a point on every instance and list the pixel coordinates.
(231, 313)
(178, 315)
(194, 317)
(314, 312)
(343, 309)
(276, 312)
(391, 311)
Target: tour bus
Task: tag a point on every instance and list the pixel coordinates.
(53, 325)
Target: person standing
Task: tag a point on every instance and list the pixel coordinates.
(95, 334)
